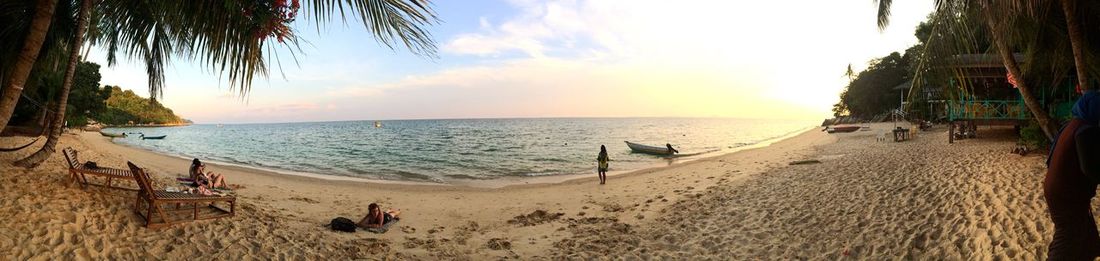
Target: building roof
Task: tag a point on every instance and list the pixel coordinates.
(903, 86)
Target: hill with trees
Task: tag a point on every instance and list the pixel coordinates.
(124, 107)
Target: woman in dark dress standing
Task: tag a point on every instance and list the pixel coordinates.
(1073, 171)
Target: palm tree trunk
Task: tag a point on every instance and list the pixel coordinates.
(1076, 42)
(63, 101)
(40, 24)
(1041, 116)
(42, 119)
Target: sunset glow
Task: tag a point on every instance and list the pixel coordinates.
(762, 59)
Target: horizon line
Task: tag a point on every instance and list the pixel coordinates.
(506, 118)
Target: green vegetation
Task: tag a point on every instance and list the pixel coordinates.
(88, 101)
(1033, 137)
(871, 92)
(125, 107)
(86, 98)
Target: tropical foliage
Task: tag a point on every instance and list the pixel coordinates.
(1057, 39)
(871, 92)
(86, 98)
(124, 107)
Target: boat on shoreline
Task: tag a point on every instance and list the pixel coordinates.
(642, 148)
(843, 128)
(112, 135)
(161, 137)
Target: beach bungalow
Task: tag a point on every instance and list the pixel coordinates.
(980, 94)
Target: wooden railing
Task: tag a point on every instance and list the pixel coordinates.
(987, 110)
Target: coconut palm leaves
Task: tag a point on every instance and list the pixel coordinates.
(235, 38)
(55, 128)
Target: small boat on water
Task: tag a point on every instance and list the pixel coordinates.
(641, 148)
(112, 135)
(843, 128)
(161, 137)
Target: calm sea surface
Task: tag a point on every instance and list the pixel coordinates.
(449, 150)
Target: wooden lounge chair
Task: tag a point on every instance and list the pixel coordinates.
(78, 172)
(155, 199)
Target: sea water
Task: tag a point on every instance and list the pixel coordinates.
(443, 151)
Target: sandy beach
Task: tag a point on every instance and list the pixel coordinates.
(921, 199)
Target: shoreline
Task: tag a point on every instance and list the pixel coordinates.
(864, 199)
(493, 183)
(287, 211)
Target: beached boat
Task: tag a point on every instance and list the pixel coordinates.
(843, 128)
(112, 135)
(161, 137)
(641, 148)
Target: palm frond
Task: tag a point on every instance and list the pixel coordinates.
(231, 37)
(884, 13)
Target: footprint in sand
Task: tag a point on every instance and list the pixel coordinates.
(304, 199)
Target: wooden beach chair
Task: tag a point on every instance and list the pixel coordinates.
(154, 201)
(78, 172)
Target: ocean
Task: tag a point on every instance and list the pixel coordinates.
(446, 151)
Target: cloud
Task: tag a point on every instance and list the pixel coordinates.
(567, 58)
(789, 53)
(551, 87)
(538, 28)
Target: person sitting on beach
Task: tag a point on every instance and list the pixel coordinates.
(670, 149)
(1070, 184)
(601, 168)
(201, 177)
(376, 218)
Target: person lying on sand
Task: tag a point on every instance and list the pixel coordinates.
(376, 218)
(205, 178)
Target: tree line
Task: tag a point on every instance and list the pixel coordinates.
(1058, 39)
(124, 107)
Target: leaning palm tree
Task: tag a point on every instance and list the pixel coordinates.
(16, 78)
(234, 38)
(59, 117)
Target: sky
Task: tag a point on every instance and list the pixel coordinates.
(568, 58)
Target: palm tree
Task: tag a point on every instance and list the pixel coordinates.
(59, 117)
(230, 37)
(1077, 42)
(850, 74)
(997, 17)
(32, 44)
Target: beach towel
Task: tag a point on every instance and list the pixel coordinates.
(381, 230)
(187, 182)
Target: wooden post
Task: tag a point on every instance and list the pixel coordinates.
(951, 132)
